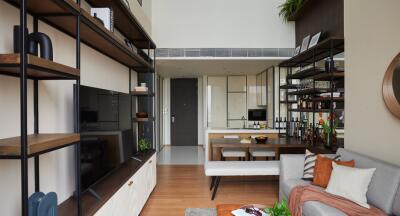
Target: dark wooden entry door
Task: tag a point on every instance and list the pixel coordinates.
(184, 112)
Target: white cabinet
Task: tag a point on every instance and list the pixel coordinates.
(262, 88)
(130, 199)
(237, 83)
(237, 106)
(216, 101)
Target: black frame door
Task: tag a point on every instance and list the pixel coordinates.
(184, 112)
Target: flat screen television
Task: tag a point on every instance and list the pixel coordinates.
(107, 137)
(257, 115)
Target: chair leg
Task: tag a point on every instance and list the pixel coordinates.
(217, 180)
(212, 182)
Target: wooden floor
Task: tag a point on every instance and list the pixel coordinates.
(185, 186)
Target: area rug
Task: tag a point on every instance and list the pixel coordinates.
(200, 212)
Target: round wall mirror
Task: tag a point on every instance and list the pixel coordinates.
(391, 86)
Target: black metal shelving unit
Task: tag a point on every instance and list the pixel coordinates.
(326, 49)
(68, 17)
(145, 102)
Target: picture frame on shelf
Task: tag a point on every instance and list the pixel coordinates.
(314, 40)
(304, 44)
(296, 51)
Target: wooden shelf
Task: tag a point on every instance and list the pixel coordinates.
(289, 86)
(318, 52)
(308, 91)
(106, 188)
(142, 93)
(306, 73)
(126, 23)
(150, 119)
(37, 143)
(49, 6)
(37, 68)
(338, 99)
(93, 33)
(328, 76)
(311, 110)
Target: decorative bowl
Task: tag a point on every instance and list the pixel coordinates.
(261, 139)
(142, 115)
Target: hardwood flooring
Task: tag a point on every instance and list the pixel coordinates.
(185, 186)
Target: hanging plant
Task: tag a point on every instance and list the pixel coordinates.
(288, 8)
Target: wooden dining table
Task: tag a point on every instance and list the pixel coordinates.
(279, 145)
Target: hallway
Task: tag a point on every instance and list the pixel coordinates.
(181, 155)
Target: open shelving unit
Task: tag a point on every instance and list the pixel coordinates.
(144, 101)
(308, 60)
(70, 18)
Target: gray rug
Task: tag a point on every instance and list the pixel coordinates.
(201, 212)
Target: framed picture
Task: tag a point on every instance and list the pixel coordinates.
(304, 44)
(314, 40)
(297, 51)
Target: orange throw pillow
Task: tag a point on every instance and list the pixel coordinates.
(323, 169)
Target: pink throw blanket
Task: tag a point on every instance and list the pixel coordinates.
(302, 194)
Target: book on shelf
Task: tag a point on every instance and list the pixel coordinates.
(141, 89)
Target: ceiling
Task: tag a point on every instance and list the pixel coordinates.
(196, 67)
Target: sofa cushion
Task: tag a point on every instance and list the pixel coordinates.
(384, 184)
(289, 184)
(315, 208)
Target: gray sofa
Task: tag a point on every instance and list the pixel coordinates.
(383, 192)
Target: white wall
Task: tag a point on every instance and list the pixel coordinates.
(143, 13)
(220, 24)
(371, 44)
(55, 110)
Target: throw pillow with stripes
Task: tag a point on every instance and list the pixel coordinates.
(309, 164)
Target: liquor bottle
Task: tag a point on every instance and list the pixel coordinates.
(276, 123)
(285, 123)
(292, 126)
(280, 122)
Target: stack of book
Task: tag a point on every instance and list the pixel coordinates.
(141, 89)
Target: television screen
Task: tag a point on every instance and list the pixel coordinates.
(257, 115)
(107, 138)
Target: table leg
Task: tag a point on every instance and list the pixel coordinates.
(217, 180)
(216, 154)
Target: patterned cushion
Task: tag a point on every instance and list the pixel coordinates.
(309, 164)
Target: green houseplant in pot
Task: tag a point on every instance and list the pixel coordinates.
(279, 209)
(144, 145)
(288, 8)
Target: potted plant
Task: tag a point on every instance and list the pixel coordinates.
(288, 8)
(144, 145)
(279, 209)
(328, 130)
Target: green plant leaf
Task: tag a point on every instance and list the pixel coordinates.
(288, 8)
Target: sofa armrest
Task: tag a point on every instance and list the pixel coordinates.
(291, 166)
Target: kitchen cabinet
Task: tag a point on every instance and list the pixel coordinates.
(130, 199)
(261, 80)
(216, 101)
(237, 83)
(237, 107)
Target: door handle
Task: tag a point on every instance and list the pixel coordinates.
(173, 118)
